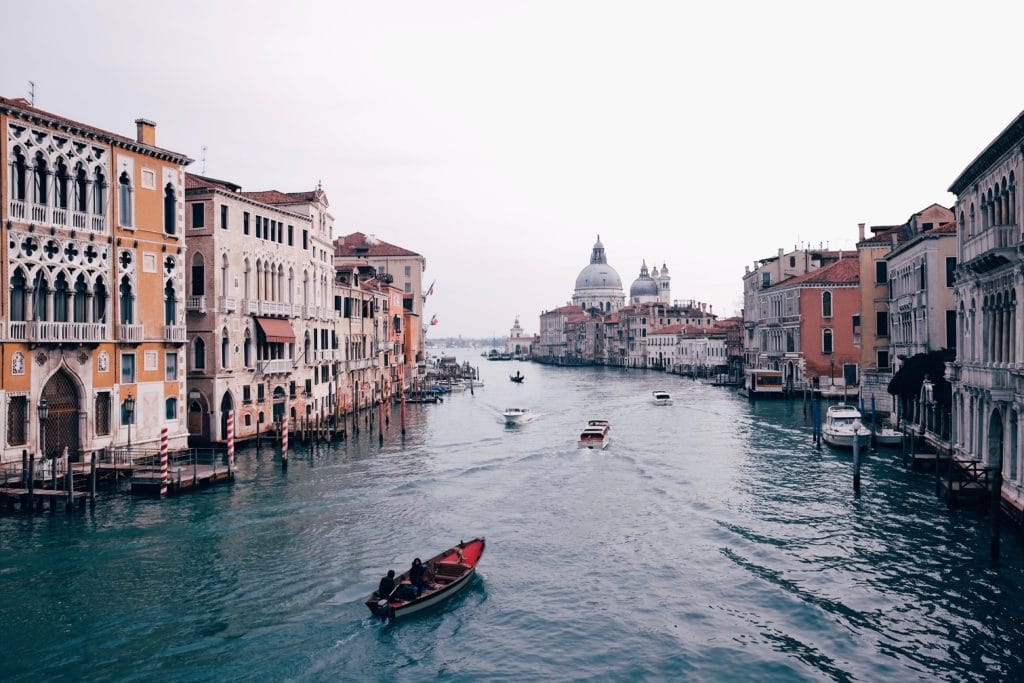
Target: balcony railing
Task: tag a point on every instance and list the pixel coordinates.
(130, 333)
(277, 308)
(174, 334)
(227, 304)
(197, 304)
(276, 366)
(999, 237)
(41, 214)
(17, 210)
(45, 331)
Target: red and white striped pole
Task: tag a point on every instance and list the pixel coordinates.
(402, 389)
(284, 441)
(163, 462)
(231, 444)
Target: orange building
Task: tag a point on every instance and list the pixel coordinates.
(92, 321)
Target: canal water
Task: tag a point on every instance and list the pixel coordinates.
(709, 542)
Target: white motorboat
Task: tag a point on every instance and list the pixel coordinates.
(661, 398)
(887, 436)
(595, 436)
(843, 425)
(517, 416)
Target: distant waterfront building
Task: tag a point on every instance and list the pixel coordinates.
(518, 343)
(988, 374)
(94, 260)
(598, 286)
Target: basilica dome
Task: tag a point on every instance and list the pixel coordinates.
(643, 286)
(598, 286)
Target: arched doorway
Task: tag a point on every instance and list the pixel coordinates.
(62, 424)
(226, 406)
(995, 438)
(279, 404)
(198, 424)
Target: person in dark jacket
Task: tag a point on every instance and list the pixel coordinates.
(387, 585)
(418, 576)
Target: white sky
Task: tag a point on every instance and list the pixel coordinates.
(497, 138)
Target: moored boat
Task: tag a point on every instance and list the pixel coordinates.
(661, 398)
(843, 425)
(887, 436)
(448, 573)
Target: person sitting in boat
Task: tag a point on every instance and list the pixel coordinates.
(418, 576)
(387, 585)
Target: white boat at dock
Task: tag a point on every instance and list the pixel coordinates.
(887, 436)
(595, 436)
(843, 425)
(661, 398)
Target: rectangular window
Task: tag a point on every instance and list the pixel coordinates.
(291, 389)
(259, 227)
(260, 392)
(766, 279)
(309, 388)
(245, 222)
(273, 231)
(171, 409)
(17, 420)
(951, 330)
(850, 374)
(291, 235)
(246, 394)
(223, 217)
(950, 271)
(171, 367)
(198, 215)
(856, 320)
(305, 239)
(883, 359)
(127, 368)
(408, 288)
(881, 323)
(408, 271)
(881, 272)
(102, 413)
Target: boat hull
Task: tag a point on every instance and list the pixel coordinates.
(435, 598)
(839, 439)
(595, 445)
(888, 438)
(395, 608)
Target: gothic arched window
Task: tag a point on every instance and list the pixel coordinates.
(81, 190)
(127, 309)
(826, 304)
(170, 304)
(199, 354)
(18, 309)
(99, 199)
(40, 180)
(124, 199)
(170, 210)
(19, 175)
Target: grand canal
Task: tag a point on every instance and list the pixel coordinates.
(708, 542)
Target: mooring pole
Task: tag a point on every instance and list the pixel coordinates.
(31, 483)
(380, 421)
(284, 442)
(856, 460)
(92, 480)
(996, 512)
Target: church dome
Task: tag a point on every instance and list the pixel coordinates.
(644, 285)
(598, 274)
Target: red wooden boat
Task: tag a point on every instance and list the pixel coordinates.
(447, 573)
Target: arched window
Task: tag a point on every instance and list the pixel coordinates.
(198, 275)
(225, 348)
(246, 275)
(41, 291)
(60, 299)
(18, 309)
(224, 275)
(19, 175)
(826, 340)
(961, 221)
(99, 193)
(171, 409)
(99, 302)
(40, 178)
(170, 210)
(826, 304)
(81, 190)
(199, 354)
(80, 308)
(291, 286)
(127, 302)
(124, 199)
(972, 219)
(170, 304)
(62, 184)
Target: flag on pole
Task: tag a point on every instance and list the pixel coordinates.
(430, 290)
(433, 320)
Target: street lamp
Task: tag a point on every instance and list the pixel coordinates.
(44, 415)
(129, 412)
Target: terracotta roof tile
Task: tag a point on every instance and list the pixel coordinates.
(842, 272)
(198, 182)
(358, 244)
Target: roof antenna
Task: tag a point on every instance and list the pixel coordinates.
(32, 93)
(204, 159)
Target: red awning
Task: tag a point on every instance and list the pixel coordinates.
(277, 331)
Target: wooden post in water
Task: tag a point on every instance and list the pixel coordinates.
(403, 400)
(856, 460)
(24, 468)
(996, 511)
(31, 482)
(380, 421)
(231, 445)
(69, 488)
(92, 480)
(284, 442)
(874, 424)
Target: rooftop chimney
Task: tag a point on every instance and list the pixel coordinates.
(145, 132)
(860, 229)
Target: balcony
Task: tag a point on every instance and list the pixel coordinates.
(195, 304)
(130, 334)
(52, 332)
(278, 366)
(227, 304)
(40, 214)
(988, 243)
(275, 308)
(174, 334)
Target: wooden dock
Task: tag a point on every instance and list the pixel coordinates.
(147, 481)
(26, 500)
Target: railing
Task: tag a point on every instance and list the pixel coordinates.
(45, 331)
(130, 333)
(57, 216)
(986, 377)
(17, 210)
(276, 366)
(195, 303)
(78, 220)
(175, 334)
(40, 213)
(227, 304)
(267, 308)
(999, 237)
(60, 216)
(98, 223)
(324, 355)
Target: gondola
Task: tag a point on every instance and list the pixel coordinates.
(518, 377)
(447, 572)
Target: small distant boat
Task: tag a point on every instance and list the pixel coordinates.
(595, 436)
(516, 416)
(451, 571)
(518, 377)
(887, 436)
(843, 425)
(662, 398)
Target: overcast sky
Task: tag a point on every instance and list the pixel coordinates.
(498, 138)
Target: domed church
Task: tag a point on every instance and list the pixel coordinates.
(651, 287)
(598, 286)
